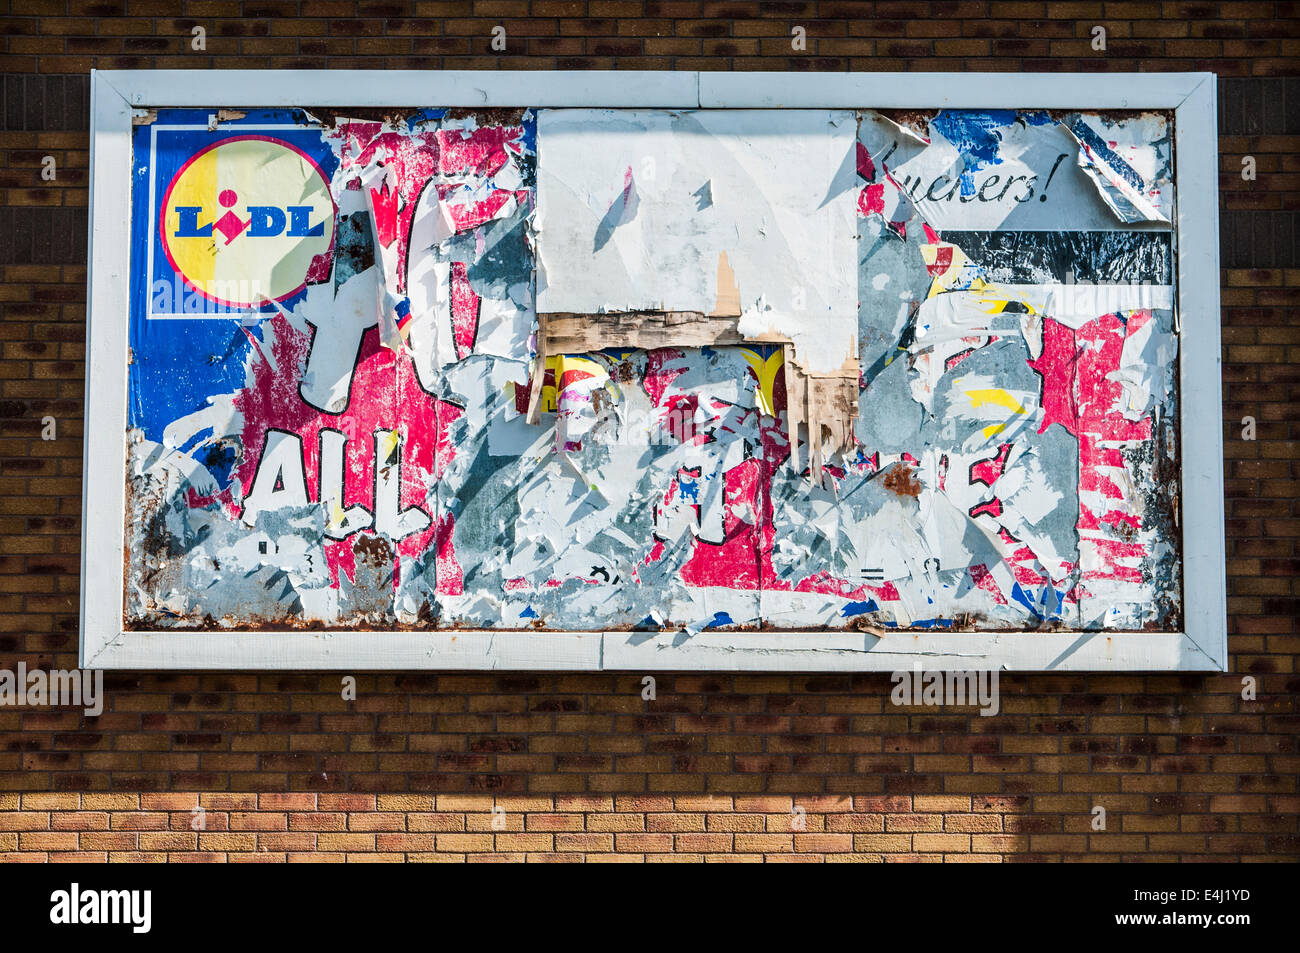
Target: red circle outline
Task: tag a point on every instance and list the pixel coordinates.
(162, 216)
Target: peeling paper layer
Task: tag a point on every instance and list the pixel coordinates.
(1130, 163)
(348, 445)
(1027, 170)
(622, 225)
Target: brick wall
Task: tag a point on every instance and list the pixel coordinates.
(775, 767)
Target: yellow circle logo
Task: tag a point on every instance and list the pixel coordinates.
(248, 220)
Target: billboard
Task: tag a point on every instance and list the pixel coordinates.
(628, 383)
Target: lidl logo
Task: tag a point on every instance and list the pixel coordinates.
(248, 219)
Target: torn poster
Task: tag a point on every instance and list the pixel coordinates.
(646, 369)
(636, 208)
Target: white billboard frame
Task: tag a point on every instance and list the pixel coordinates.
(116, 96)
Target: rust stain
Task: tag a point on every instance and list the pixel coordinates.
(863, 623)
(901, 479)
(329, 117)
(1115, 115)
(490, 115)
(917, 120)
